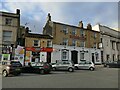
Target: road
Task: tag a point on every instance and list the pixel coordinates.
(100, 78)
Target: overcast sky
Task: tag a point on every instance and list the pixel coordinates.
(35, 13)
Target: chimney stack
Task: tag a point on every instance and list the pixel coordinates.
(17, 11)
(80, 24)
(49, 17)
(89, 26)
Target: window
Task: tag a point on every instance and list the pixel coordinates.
(118, 46)
(49, 43)
(81, 56)
(82, 33)
(36, 43)
(73, 31)
(74, 43)
(8, 21)
(64, 55)
(7, 36)
(113, 45)
(65, 41)
(65, 29)
(82, 44)
(95, 35)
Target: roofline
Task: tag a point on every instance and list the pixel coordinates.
(75, 26)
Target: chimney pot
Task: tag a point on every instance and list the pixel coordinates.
(80, 24)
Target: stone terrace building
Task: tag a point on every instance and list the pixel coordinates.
(73, 42)
(110, 40)
(9, 27)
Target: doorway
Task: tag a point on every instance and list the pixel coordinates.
(48, 57)
(93, 58)
(74, 57)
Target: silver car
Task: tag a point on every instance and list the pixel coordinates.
(85, 65)
(63, 65)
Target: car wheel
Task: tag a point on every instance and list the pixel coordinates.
(91, 69)
(76, 68)
(54, 69)
(70, 69)
(5, 74)
(42, 71)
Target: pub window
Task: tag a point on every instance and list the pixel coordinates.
(64, 55)
(65, 41)
(81, 56)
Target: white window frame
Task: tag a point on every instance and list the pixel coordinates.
(82, 32)
(74, 42)
(65, 41)
(7, 36)
(74, 32)
(38, 43)
(82, 57)
(65, 29)
(65, 57)
(82, 42)
(49, 43)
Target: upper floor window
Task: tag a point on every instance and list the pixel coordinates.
(7, 36)
(8, 21)
(49, 43)
(113, 45)
(95, 35)
(82, 44)
(73, 31)
(74, 42)
(82, 32)
(118, 46)
(65, 41)
(36, 43)
(65, 29)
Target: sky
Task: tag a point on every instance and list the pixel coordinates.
(34, 13)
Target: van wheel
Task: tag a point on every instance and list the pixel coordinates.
(70, 69)
(5, 74)
(91, 69)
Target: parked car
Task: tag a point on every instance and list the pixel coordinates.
(106, 63)
(114, 64)
(63, 65)
(85, 65)
(37, 67)
(10, 67)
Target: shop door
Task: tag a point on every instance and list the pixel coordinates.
(48, 57)
(74, 57)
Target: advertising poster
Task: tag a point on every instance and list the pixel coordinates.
(5, 56)
(28, 57)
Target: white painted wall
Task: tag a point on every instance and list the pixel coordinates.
(56, 54)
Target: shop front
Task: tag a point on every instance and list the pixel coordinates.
(37, 54)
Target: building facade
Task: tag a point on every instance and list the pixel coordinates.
(9, 27)
(110, 42)
(74, 43)
(38, 47)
